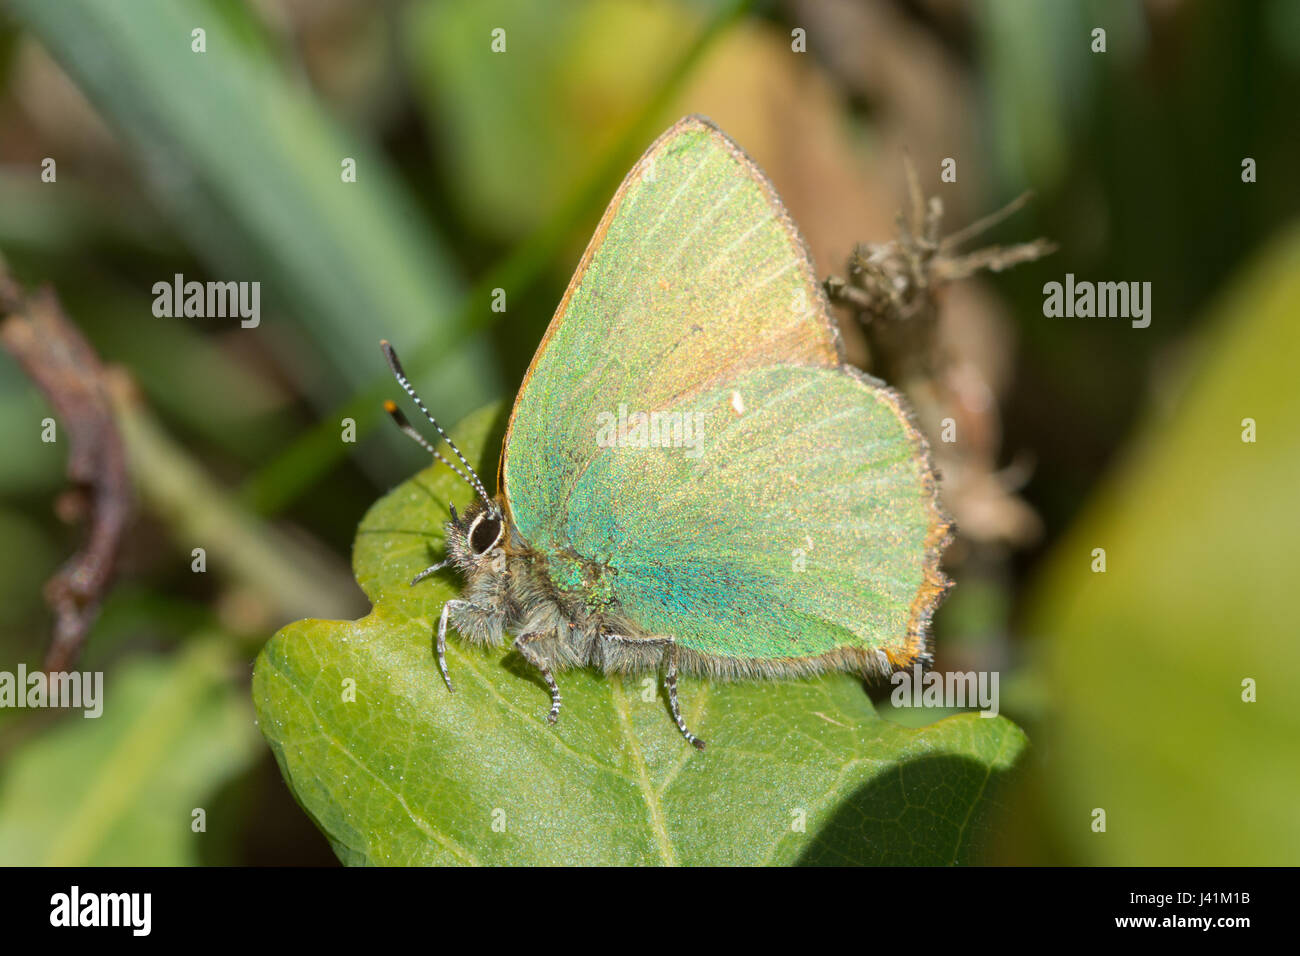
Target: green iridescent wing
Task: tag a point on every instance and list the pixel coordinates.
(798, 526)
(695, 273)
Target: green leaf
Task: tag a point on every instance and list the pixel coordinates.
(120, 789)
(1145, 663)
(407, 773)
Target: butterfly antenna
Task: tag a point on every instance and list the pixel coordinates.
(471, 479)
(409, 430)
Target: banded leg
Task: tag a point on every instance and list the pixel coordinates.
(441, 645)
(670, 681)
(670, 678)
(431, 569)
(532, 657)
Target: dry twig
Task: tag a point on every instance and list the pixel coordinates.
(891, 287)
(63, 365)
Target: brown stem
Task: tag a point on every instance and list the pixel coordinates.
(63, 365)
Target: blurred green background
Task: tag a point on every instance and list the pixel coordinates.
(479, 170)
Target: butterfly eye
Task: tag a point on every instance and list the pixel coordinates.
(484, 534)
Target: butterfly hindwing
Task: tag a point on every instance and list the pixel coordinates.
(794, 528)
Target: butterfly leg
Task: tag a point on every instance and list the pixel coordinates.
(670, 678)
(531, 656)
(670, 681)
(441, 646)
(432, 569)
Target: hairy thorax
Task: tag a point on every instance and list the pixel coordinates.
(563, 604)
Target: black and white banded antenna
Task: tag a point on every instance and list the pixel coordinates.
(472, 478)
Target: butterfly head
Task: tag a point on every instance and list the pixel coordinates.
(476, 539)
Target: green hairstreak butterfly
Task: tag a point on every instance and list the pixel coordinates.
(692, 479)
